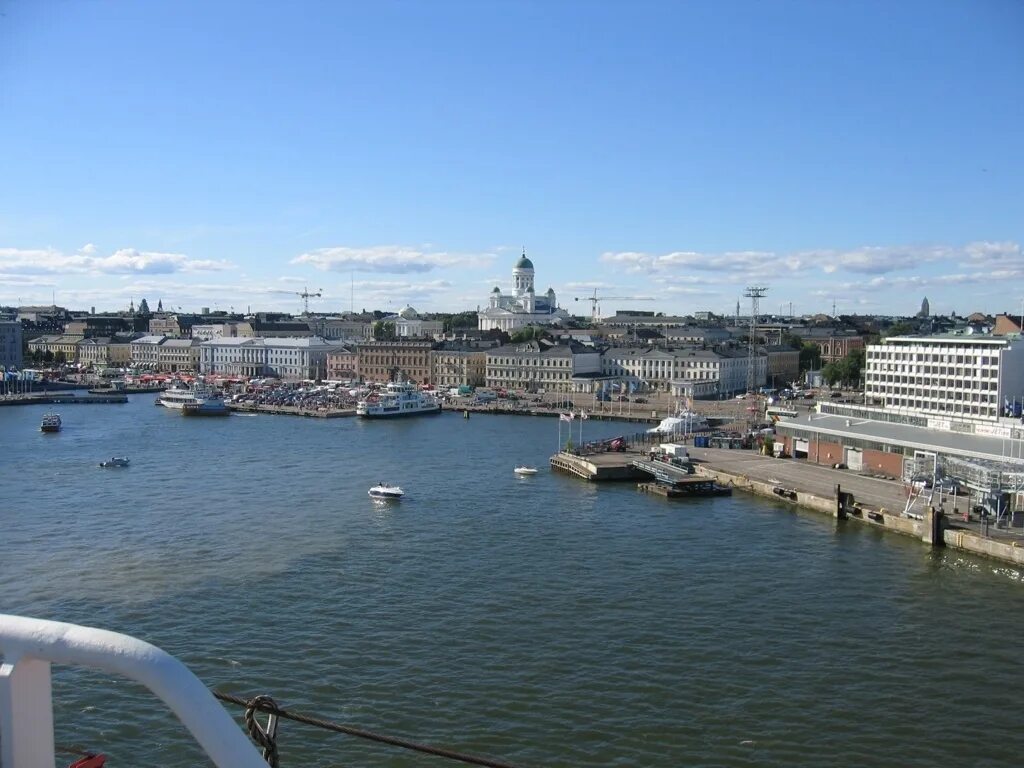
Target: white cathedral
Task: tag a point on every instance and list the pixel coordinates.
(507, 313)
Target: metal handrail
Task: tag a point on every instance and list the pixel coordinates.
(28, 646)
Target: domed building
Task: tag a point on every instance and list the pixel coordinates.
(524, 307)
(409, 324)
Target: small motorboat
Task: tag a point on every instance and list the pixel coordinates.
(381, 491)
(526, 470)
(51, 422)
(115, 461)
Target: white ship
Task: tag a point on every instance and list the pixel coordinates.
(399, 399)
(198, 399)
(683, 422)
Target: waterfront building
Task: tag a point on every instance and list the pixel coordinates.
(342, 364)
(166, 355)
(542, 366)
(291, 359)
(384, 361)
(656, 368)
(967, 377)
(145, 352)
(62, 344)
(10, 345)
(95, 351)
(523, 307)
(457, 364)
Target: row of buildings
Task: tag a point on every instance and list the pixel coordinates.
(564, 365)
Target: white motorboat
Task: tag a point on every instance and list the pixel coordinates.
(115, 461)
(196, 400)
(381, 491)
(525, 470)
(399, 399)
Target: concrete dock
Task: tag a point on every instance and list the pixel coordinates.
(842, 494)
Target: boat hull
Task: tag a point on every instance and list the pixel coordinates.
(400, 414)
(49, 429)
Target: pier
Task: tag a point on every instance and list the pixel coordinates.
(292, 410)
(844, 495)
(63, 399)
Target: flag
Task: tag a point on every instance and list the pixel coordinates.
(565, 417)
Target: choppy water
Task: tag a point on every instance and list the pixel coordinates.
(539, 619)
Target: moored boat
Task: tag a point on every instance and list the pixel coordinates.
(199, 399)
(115, 461)
(401, 398)
(525, 470)
(51, 422)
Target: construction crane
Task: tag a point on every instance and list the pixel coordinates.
(595, 303)
(306, 296)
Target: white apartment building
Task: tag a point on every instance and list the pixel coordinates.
(294, 359)
(10, 345)
(655, 368)
(160, 353)
(963, 377)
(534, 366)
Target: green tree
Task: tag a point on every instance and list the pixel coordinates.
(832, 373)
(60, 358)
(810, 356)
(48, 356)
(383, 331)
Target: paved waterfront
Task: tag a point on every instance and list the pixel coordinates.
(821, 481)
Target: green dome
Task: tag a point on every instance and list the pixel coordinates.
(524, 263)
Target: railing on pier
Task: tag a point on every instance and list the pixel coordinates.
(29, 646)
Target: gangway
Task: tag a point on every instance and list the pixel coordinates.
(663, 471)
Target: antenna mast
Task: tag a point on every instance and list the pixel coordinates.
(755, 293)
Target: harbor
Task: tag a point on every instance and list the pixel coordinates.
(598, 578)
(877, 502)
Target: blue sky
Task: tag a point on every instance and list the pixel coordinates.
(224, 154)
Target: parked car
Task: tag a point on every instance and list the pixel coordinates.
(639, 399)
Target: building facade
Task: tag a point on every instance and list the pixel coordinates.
(962, 377)
(66, 345)
(291, 359)
(523, 307)
(342, 364)
(658, 369)
(457, 366)
(11, 357)
(539, 366)
(384, 361)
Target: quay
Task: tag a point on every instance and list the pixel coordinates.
(63, 399)
(292, 410)
(848, 497)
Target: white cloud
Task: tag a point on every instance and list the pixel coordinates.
(389, 258)
(85, 261)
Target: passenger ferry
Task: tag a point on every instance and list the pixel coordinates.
(399, 399)
(196, 400)
(50, 422)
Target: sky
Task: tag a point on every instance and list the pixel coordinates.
(666, 155)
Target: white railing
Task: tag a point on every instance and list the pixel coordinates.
(29, 646)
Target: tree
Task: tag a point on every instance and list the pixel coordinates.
(832, 373)
(810, 356)
(384, 331)
(496, 334)
(60, 358)
(528, 333)
(48, 356)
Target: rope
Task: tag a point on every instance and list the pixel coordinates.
(266, 704)
(265, 738)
